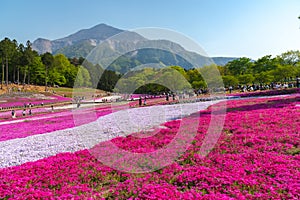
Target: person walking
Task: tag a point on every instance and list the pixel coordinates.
(13, 114)
(230, 89)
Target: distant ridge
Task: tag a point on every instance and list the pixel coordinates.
(221, 61)
(81, 43)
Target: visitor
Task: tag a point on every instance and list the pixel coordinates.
(52, 108)
(230, 89)
(13, 114)
(167, 97)
(145, 103)
(140, 101)
(30, 112)
(24, 112)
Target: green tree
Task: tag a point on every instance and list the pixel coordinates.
(29, 56)
(211, 76)
(109, 79)
(61, 69)
(70, 75)
(282, 72)
(246, 78)
(239, 66)
(266, 63)
(180, 70)
(48, 60)
(290, 58)
(193, 75)
(37, 71)
(83, 77)
(18, 59)
(230, 80)
(95, 72)
(264, 77)
(7, 50)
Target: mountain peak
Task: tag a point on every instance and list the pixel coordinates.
(95, 34)
(102, 25)
(98, 32)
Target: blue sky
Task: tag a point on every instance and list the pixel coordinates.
(251, 28)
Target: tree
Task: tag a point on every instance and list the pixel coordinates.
(58, 70)
(2, 72)
(193, 75)
(211, 76)
(240, 66)
(7, 49)
(289, 58)
(47, 60)
(230, 80)
(37, 71)
(282, 72)
(70, 75)
(180, 70)
(266, 63)
(27, 59)
(108, 80)
(173, 79)
(18, 61)
(95, 72)
(83, 77)
(246, 78)
(263, 77)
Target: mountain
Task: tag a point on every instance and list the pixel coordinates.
(83, 39)
(221, 61)
(84, 43)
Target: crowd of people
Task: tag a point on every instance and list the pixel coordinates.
(27, 110)
(260, 87)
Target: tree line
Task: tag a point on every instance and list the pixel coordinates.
(265, 70)
(22, 65)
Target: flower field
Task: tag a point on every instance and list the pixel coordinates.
(38, 100)
(267, 92)
(47, 122)
(256, 157)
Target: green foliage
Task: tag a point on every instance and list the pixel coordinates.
(83, 77)
(230, 80)
(282, 72)
(21, 64)
(246, 79)
(153, 80)
(108, 80)
(239, 66)
(290, 58)
(263, 77)
(264, 64)
(37, 71)
(211, 76)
